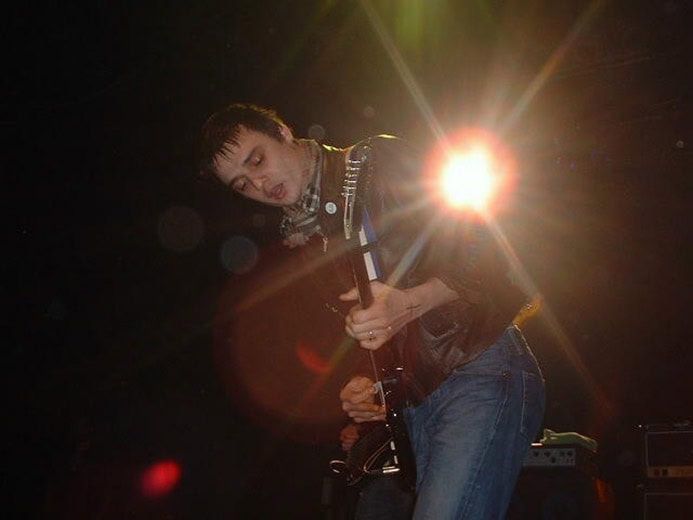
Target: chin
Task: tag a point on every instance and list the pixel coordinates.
(289, 201)
(285, 203)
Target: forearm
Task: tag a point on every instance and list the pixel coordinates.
(427, 296)
(392, 309)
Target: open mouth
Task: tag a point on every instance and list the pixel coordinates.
(277, 192)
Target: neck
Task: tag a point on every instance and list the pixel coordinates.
(311, 156)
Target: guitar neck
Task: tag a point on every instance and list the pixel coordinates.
(365, 268)
(365, 262)
(361, 278)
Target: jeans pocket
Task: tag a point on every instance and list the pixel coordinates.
(533, 403)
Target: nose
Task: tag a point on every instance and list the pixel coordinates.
(257, 181)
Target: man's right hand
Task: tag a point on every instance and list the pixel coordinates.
(358, 400)
(348, 436)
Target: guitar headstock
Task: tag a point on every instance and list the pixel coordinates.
(356, 179)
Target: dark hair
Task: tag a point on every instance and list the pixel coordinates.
(222, 128)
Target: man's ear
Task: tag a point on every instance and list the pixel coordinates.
(286, 133)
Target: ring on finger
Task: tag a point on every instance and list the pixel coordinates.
(371, 335)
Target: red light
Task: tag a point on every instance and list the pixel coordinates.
(160, 478)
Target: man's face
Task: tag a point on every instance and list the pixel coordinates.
(264, 169)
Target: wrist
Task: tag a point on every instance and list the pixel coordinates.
(412, 304)
(422, 298)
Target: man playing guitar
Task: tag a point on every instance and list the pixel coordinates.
(442, 302)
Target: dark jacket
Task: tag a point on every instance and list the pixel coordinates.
(421, 241)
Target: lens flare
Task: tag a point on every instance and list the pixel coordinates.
(311, 359)
(160, 478)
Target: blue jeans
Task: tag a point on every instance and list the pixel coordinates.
(382, 498)
(471, 435)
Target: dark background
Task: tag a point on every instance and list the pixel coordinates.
(136, 332)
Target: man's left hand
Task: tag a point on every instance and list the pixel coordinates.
(374, 326)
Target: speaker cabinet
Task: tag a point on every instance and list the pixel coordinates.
(667, 487)
(668, 451)
(667, 505)
(557, 493)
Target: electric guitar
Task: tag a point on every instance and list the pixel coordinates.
(383, 447)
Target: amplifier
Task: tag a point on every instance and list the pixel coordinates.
(668, 450)
(572, 456)
(667, 506)
(558, 493)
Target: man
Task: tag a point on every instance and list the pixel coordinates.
(474, 392)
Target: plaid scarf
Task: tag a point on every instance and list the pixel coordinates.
(302, 217)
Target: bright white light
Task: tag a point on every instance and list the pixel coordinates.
(468, 179)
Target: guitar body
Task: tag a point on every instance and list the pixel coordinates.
(383, 447)
(371, 453)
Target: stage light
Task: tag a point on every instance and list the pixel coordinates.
(468, 179)
(471, 172)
